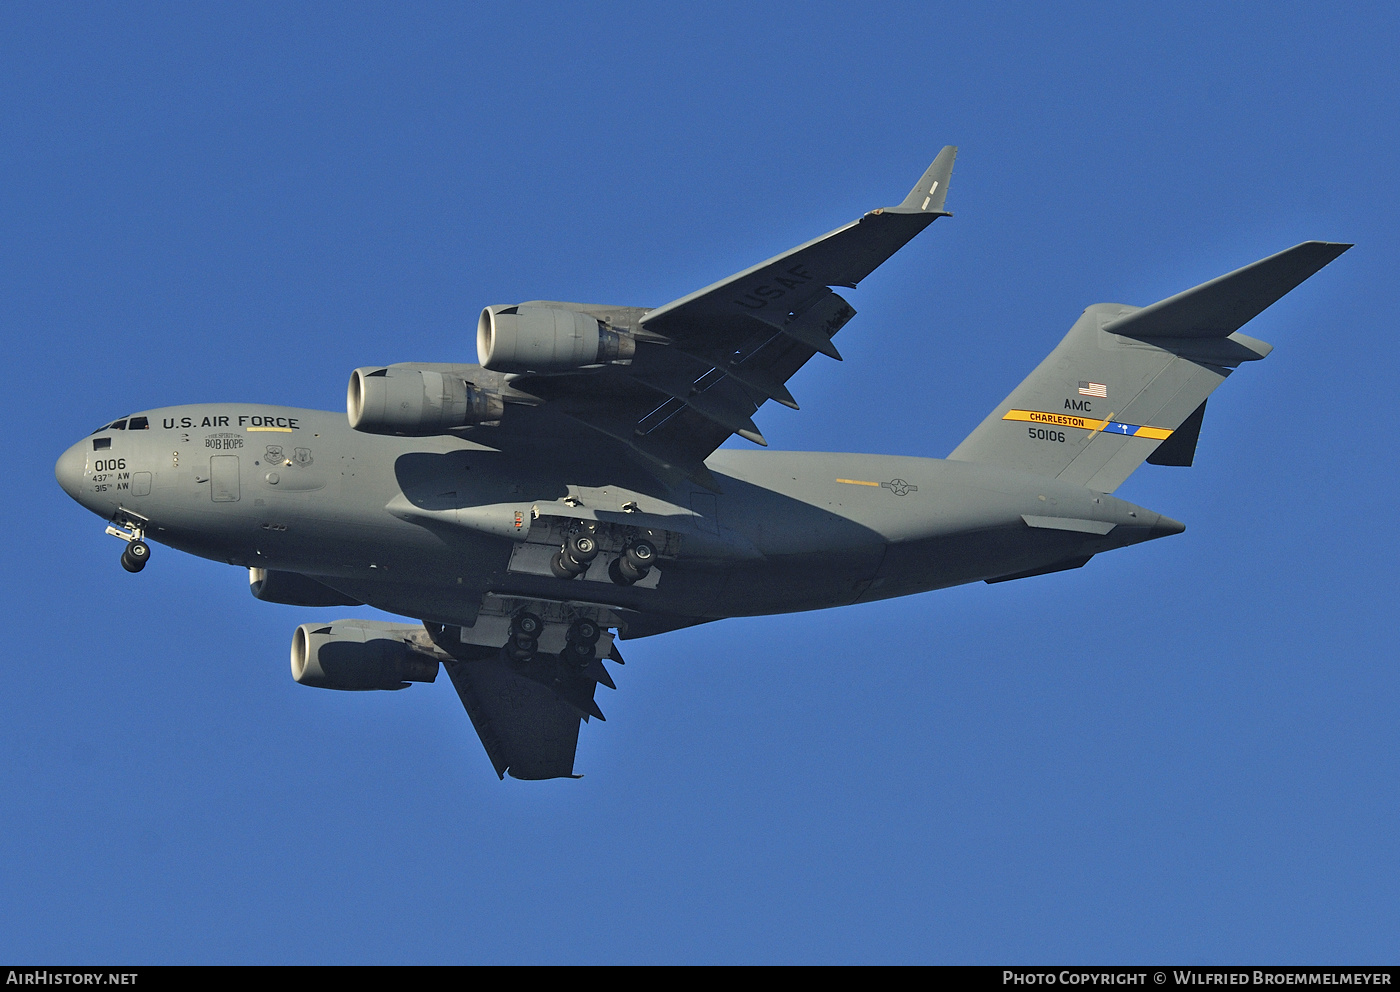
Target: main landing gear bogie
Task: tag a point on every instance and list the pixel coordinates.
(581, 548)
(634, 563)
(525, 630)
(580, 641)
(575, 556)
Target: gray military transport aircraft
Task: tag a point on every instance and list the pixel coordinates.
(570, 489)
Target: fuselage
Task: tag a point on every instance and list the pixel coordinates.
(387, 520)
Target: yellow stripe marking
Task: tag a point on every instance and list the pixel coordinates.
(1058, 419)
(284, 430)
(1087, 423)
(1156, 433)
(859, 482)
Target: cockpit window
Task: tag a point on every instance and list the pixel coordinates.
(101, 443)
(136, 424)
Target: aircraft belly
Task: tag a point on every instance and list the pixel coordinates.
(954, 559)
(791, 583)
(813, 502)
(439, 603)
(874, 527)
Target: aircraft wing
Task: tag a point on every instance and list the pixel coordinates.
(773, 292)
(526, 729)
(527, 716)
(707, 361)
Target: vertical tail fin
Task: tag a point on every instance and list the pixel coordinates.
(1127, 382)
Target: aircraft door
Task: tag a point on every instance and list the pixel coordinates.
(705, 508)
(704, 586)
(223, 478)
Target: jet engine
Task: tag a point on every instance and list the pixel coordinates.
(546, 339)
(416, 402)
(356, 655)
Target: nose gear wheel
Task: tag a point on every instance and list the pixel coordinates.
(131, 529)
(135, 556)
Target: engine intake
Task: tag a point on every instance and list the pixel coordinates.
(546, 339)
(356, 655)
(416, 402)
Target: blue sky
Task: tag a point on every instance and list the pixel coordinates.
(1186, 751)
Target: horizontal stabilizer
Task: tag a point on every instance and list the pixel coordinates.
(1222, 306)
(1128, 385)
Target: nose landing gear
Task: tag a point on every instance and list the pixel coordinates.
(137, 552)
(135, 556)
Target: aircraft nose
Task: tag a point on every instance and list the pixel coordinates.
(69, 470)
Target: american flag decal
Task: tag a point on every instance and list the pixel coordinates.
(1093, 389)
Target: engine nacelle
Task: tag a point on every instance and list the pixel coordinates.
(546, 339)
(416, 402)
(356, 655)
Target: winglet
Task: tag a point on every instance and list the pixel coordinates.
(931, 190)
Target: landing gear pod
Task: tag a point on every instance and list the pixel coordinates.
(416, 402)
(546, 339)
(356, 655)
(292, 589)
